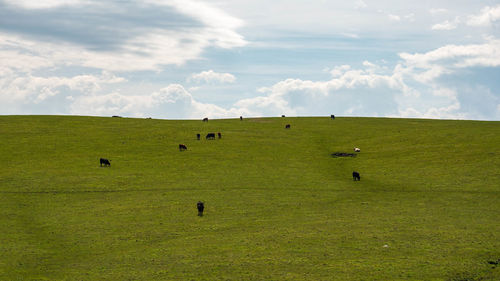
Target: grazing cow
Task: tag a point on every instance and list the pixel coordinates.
(200, 206)
(182, 147)
(282, 115)
(356, 176)
(205, 119)
(219, 135)
(241, 118)
(287, 126)
(210, 136)
(356, 149)
(198, 136)
(104, 162)
(332, 116)
(116, 116)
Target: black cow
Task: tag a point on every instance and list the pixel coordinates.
(356, 176)
(287, 126)
(182, 147)
(104, 162)
(282, 115)
(200, 206)
(210, 136)
(219, 135)
(241, 118)
(198, 136)
(332, 116)
(205, 119)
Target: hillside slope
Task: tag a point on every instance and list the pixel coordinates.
(278, 205)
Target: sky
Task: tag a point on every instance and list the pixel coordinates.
(189, 59)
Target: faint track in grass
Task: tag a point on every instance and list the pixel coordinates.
(246, 188)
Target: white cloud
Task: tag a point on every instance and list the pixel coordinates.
(173, 101)
(429, 74)
(339, 70)
(350, 91)
(35, 89)
(208, 14)
(111, 104)
(394, 17)
(211, 76)
(360, 4)
(445, 112)
(219, 27)
(486, 17)
(458, 56)
(446, 25)
(397, 18)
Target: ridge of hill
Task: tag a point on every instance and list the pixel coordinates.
(278, 205)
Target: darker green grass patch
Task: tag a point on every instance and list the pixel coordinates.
(343, 154)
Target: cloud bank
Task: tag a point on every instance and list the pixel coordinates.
(414, 87)
(117, 35)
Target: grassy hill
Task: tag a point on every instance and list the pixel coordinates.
(278, 206)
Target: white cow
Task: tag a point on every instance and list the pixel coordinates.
(356, 149)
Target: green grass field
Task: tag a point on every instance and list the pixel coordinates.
(278, 206)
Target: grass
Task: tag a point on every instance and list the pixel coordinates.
(278, 206)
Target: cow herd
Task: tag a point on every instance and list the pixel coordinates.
(211, 136)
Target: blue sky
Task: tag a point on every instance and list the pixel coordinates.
(188, 59)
